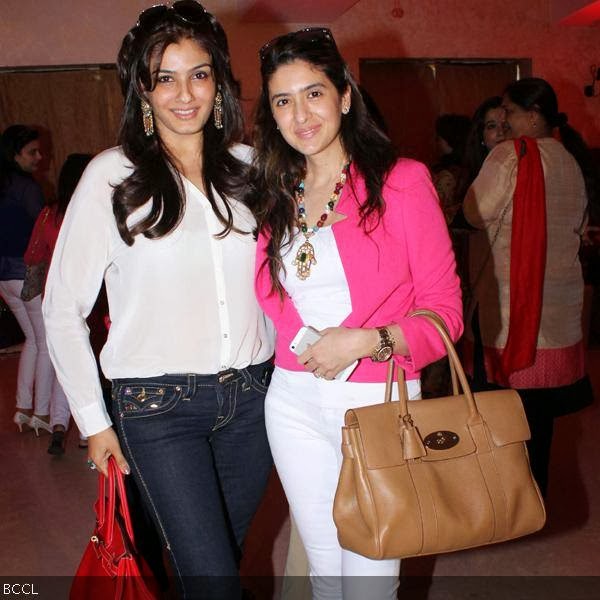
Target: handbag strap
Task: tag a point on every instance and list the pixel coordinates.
(440, 322)
(106, 505)
(46, 211)
(119, 478)
(477, 278)
(455, 364)
(390, 373)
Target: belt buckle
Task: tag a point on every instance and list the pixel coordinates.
(224, 376)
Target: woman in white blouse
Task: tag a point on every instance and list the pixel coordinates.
(188, 349)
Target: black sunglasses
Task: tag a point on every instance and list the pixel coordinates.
(308, 34)
(189, 11)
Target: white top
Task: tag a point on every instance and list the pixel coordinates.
(180, 304)
(322, 300)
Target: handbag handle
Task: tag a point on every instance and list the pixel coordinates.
(441, 326)
(36, 231)
(453, 375)
(455, 366)
(106, 505)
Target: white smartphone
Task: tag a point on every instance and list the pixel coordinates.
(307, 336)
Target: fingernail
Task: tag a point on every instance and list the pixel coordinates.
(126, 470)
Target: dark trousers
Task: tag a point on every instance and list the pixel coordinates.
(541, 406)
(540, 416)
(198, 451)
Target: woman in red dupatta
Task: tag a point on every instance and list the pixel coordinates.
(530, 202)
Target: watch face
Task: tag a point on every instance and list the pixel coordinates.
(384, 353)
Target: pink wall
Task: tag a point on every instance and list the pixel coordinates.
(563, 8)
(89, 31)
(483, 28)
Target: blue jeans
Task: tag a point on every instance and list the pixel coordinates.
(198, 450)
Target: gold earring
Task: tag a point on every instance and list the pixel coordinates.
(218, 111)
(147, 118)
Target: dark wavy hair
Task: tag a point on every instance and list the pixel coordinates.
(278, 167)
(475, 148)
(454, 129)
(154, 174)
(68, 178)
(534, 93)
(14, 138)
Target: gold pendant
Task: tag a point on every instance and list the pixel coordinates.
(305, 258)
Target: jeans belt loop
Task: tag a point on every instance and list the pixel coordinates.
(191, 384)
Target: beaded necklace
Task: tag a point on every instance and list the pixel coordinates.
(305, 256)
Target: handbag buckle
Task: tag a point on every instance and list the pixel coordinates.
(441, 440)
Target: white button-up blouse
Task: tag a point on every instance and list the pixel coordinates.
(183, 303)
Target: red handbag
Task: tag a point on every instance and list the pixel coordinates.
(110, 568)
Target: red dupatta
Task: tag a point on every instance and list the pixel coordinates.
(527, 262)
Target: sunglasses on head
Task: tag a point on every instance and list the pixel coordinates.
(309, 35)
(189, 11)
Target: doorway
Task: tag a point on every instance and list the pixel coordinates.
(412, 93)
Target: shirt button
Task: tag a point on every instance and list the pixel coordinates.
(222, 302)
(225, 335)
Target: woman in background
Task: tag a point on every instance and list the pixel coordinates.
(21, 200)
(530, 201)
(40, 249)
(188, 350)
(488, 128)
(448, 174)
(351, 240)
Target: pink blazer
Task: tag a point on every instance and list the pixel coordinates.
(406, 263)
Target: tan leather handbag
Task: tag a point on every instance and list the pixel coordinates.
(436, 475)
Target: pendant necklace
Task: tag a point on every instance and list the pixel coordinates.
(305, 257)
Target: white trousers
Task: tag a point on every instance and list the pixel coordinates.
(60, 414)
(35, 369)
(304, 417)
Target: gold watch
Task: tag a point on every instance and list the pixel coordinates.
(384, 350)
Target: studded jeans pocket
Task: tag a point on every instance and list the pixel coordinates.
(137, 401)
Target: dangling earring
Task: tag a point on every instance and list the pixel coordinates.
(147, 119)
(345, 110)
(218, 110)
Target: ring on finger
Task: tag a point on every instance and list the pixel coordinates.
(91, 465)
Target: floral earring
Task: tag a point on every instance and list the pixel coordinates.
(218, 110)
(147, 119)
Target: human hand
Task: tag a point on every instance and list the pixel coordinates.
(337, 348)
(102, 445)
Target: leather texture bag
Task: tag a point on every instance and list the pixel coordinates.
(436, 475)
(35, 270)
(33, 283)
(110, 568)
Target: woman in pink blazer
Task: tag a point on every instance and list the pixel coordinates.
(351, 241)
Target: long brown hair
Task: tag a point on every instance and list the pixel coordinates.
(278, 167)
